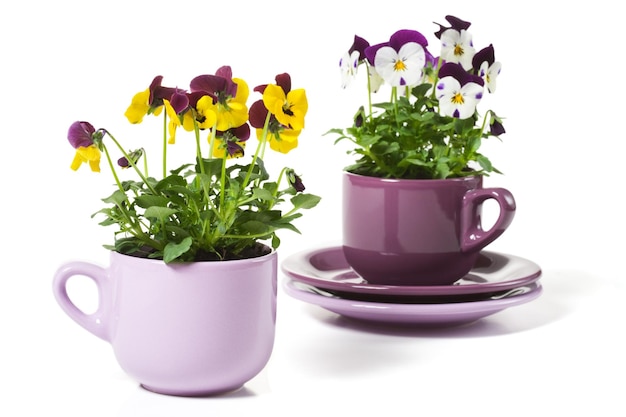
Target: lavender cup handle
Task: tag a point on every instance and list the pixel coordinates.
(473, 237)
(96, 323)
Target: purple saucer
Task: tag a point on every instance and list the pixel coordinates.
(327, 268)
(445, 314)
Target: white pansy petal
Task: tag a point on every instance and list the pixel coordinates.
(449, 39)
(375, 79)
(483, 69)
(492, 75)
(348, 66)
(414, 58)
(446, 107)
(447, 86)
(472, 93)
(384, 62)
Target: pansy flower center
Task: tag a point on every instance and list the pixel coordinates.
(399, 65)
(457, 99)
(287, 109)
(458, 50)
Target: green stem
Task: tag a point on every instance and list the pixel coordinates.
(482, 127)
(222, 209)
(256, 153)
(369, 92)
(117, 180)
(196, 131)
(135, 229)
(394, 100)
(145, 162)
(164, 144)
(132, 163)
(280, 177)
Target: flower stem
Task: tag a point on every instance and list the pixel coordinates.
(222, 209)
(369, 92)
(164, 144)
(117, 180)
(132, 163)
(196, 131)
(258, 148)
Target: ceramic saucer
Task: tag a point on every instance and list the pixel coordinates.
(327, 268)
(443, 314)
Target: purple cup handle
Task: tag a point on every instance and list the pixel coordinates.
(97, 322)
(473, 237)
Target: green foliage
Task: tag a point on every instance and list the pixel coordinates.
(215, 208)
(190, 214)
(407, 138)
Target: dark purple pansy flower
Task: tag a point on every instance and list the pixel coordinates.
(282, 80)
(240, 133)
(451, 69)
(359, 117)
(295, 181)
(158, 93)
(220, 85)
(484, 55)
(80, 134)
(359, 45)
(455, 23)
(234, 138)
(496, 128)
(179, 101)
(397, 40)
(257, 114)
(134, 156)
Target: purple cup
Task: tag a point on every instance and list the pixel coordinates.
(418, 232)
(189, 329)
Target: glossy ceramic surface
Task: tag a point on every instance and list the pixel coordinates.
(327, 268)
(444, 314)
(418, 232)
(186, 329)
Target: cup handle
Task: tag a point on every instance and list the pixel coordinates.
(97, 322)
(473, 237)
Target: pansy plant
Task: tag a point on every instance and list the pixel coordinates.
(214, 207)
(431, 127)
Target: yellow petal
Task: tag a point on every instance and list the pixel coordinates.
(274, 99)
(298, 105)
(207, 111)
(242, 91)
(284, 142)
(138, 107)
(89, 154)
(77, 162)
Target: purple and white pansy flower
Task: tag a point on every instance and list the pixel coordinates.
(456, 42)
(458, 91)
(350, 61)
(400, 62)
(484, 62)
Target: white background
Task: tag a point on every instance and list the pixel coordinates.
(561, 91)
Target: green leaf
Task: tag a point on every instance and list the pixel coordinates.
(117, 198)
(262, 194)
(146, 200)
(305, 201)
(484, 163)
(161, 213)
(254, 227)
(174, 250)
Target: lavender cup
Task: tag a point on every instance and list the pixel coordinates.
(418, 232)
(191, 329)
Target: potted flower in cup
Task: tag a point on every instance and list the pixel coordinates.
(188, 301)
(412, 199)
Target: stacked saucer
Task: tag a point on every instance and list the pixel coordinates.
(323, 277)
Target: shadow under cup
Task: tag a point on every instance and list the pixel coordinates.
(418, 232)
